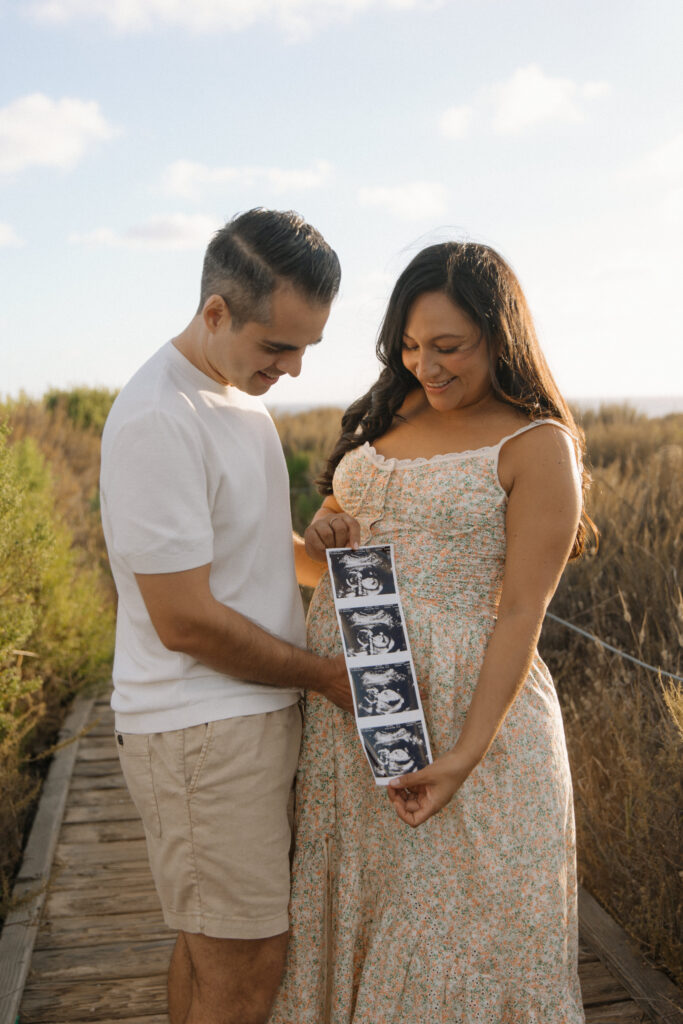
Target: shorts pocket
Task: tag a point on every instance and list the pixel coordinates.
(136, 764)
(195, 758)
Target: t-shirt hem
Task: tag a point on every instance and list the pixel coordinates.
(196, 714)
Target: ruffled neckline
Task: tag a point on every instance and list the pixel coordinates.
(382, 460)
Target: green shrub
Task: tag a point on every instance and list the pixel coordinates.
(56, 630)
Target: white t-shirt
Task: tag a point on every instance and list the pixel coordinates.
(193, 472)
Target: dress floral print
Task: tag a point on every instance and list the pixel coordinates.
(472, 917)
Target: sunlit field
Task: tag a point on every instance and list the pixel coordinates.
(624, 723)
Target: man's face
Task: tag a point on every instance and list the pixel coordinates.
(256, 355)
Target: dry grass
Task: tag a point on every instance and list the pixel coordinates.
(625, 724)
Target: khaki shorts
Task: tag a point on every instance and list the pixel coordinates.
(214, 802)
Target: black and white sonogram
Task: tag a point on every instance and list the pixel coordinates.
(363, 573)
(368, 632)
(384, 690)
(396, 749)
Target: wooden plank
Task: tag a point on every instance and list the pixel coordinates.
(616, 1013)
(651, 990)
(116, 810)
(89, 1002)
(114, 781)
(76, 902)
(598, 985)
(21, 925)
(127, 959)
(84, 930)
(107, 831)
(93, 796)
(93, 769)
(99, 853)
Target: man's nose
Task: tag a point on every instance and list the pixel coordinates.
(290, 362)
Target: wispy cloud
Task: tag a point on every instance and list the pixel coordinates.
(172, 232)
(530, 98)
(455, 122)
(526, 100)
(414, 200)
(297, 18)
(190, 180)
(8, 236)
(39, 131)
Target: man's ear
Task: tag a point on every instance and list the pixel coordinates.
(215, 313)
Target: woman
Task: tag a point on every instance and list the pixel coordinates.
(464, 456)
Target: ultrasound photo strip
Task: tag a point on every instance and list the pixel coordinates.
(386, 699)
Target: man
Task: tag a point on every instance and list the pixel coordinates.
(209, 659)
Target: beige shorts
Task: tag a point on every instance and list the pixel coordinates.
(214, 802)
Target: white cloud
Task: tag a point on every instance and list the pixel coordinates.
(414, 200)
(8, 236)
(531, 97)
(664, 163)
(38, 131)
(455, 122)
(187, 179)
(175, 231)
(296, 17)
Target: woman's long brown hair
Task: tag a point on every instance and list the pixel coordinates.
(481, 283)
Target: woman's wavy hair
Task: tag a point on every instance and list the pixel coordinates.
(481, 283)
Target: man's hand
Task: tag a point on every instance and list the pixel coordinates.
(338, 688)
(419, 795)
(331, 530)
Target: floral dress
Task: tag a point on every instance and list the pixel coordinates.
(472, 917)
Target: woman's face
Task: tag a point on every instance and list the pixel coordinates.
(446, 351)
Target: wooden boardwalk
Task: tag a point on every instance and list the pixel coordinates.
(101, 949)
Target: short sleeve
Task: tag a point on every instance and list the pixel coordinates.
(154, 494)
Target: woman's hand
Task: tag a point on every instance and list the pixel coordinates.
(330, 529)
(418, 795)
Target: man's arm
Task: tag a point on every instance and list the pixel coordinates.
(188, 618)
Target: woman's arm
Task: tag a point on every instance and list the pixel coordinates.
(330, 527)
(308, 572)
(543, 511)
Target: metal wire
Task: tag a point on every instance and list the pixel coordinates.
(615, 650)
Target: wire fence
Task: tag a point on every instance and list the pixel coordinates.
(614, 650)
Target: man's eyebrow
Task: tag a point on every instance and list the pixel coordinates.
(283, 346)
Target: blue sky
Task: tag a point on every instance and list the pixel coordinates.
(130, 129)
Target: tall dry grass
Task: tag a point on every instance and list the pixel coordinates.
(624, 723)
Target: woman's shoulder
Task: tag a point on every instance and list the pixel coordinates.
(544, 446)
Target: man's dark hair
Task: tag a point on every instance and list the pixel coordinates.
(257, 250)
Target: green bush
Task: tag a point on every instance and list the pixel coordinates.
(56, 629)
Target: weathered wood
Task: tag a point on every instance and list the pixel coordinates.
(129, 900)
(598, 985)
(89, 1002)
(21, 925)
(67, 931)
(117, 810)
(108, 962)
(101, 853)
(650, 989)
(116, 781)
(107, 831)
(93, 769)
(616, 1013)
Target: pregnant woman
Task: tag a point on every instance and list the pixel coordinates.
(451, 896)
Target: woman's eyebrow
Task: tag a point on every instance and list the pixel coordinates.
(437, 337)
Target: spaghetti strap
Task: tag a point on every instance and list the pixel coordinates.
(530, 426)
